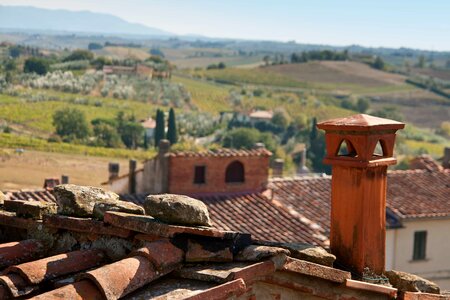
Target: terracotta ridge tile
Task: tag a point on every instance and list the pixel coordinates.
(224, 291)
(51, 267)
(83, 289)
(149, 225)
(84, 225)
(18, 252)
(315, 270)
(376, 288)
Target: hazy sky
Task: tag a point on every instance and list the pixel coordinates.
(391, 23)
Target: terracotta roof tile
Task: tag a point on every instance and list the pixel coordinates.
(299, 208)
(223, 152)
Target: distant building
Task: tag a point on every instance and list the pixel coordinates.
(149, 127)
(260, 116)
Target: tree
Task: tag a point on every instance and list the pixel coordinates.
(79, 55)
(378, 63)
(421, 62)
(132, 134)
(246, 138)
(160, 127)
(316, 152)
(36, 65)
(266, 60)
(10, 65)
(172, 133)
(221, 65)
(70, 123)
(281, 118)
(15, 51)
(156, 52)
(95, 46)
(107, 135)
(363, 105)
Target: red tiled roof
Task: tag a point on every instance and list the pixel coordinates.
(425, 162)
(223, 152)
(360, 122)
(410, 194)
(149, 123)
(256, 214)
(419, 193)
(61, 270)
(299, 209)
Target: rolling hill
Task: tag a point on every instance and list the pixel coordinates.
(38, 19)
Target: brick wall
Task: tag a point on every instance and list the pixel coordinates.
(181, 174)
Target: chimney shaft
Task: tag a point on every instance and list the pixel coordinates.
(277, 167)
(64, 179)
(446, 159)
(358, 189)
(164, 147)
(132, 176)
(113, 169)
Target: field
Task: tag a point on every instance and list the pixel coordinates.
(32, 167)
(202, 57)
(337, 72)
(37, 116)
(124, 53)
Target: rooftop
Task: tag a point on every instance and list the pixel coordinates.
(119, 255)
(361, 122)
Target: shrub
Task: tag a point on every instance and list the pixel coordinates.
(36, 65)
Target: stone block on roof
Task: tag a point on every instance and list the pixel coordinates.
(310, 253)
(79, 201)
(121, 206)
(177, 209)
(36, 209)
(406, 282)
(258, 252)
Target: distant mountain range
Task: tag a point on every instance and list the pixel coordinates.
(27, 18)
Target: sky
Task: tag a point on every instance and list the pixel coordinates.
(376, 23)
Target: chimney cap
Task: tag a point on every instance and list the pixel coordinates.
(360, 122)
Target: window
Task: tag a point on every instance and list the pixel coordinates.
(420, 245)
(199, 174)
(235, 172)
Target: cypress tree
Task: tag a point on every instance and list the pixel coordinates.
(172, 133)
(160, 127)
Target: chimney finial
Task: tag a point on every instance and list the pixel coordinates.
(358, 188)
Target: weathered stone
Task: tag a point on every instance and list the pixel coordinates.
(177, 209)
(36, 209)
(2, 198)
(79, 201)
(257, 253)
(406, 282)
(310, 253)
(196, 252)
(121, 206)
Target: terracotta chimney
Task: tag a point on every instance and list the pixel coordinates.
(113, 170)
(446, 158)
(277, 167)
(132, 176)
(358, 191)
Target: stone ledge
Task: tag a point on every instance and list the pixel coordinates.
(148, 225)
